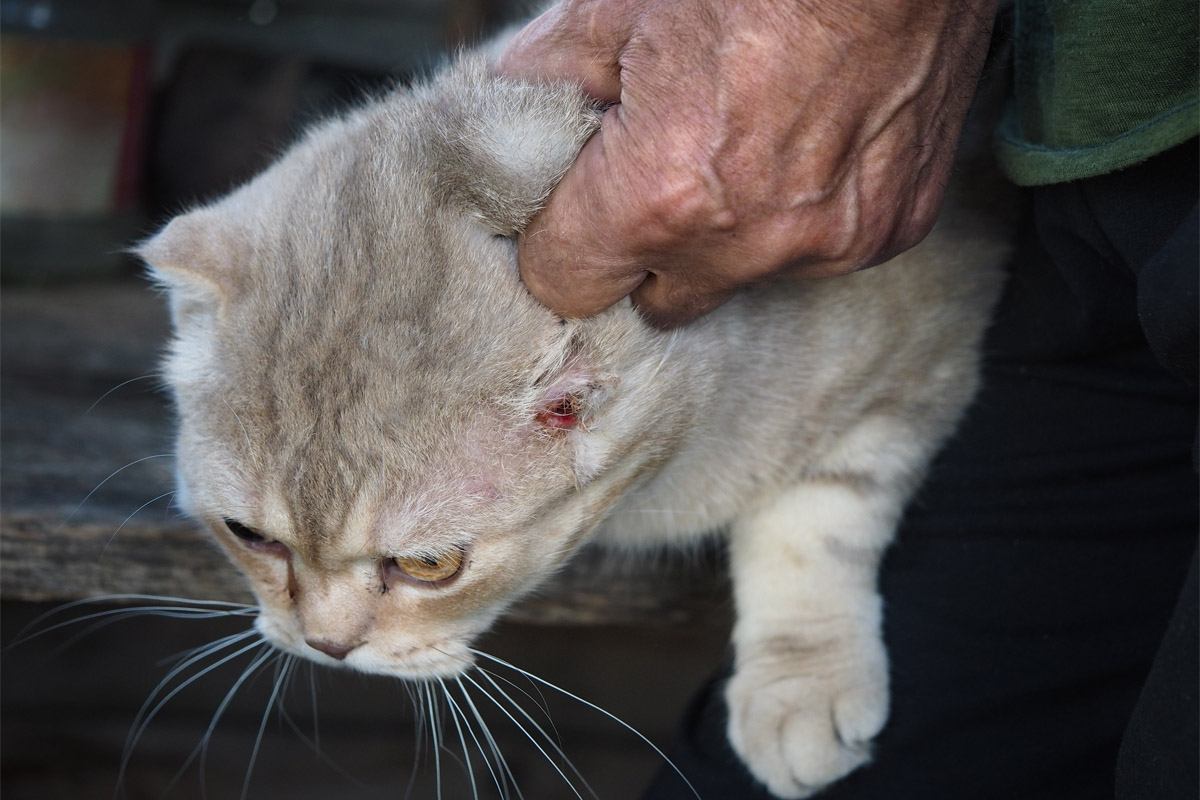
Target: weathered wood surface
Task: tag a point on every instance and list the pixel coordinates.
(85, 479)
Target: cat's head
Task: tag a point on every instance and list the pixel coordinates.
(388, 435)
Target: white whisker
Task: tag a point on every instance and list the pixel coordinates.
(557, 748)
(539, 701)
(240, 424)
(196, 651)
(193, 608)
(528, 735)
(197, 655)
(288, 680)
(157, 598)
(131, 516)
(437, 743)
(138, 729)
(258, 661)
(492, 744)
(478, 745)
(118, 386)
(595, 707)
(282, 669)
(111, 475)
(110, 616)
(295, 727)
(312, 685)
(415, 693)
(454, 714)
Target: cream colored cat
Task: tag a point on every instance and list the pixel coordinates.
(394, 441)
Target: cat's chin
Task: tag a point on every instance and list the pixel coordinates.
(428, 663)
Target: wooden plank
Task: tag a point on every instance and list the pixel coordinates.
(86, 478)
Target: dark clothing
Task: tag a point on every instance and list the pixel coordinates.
(1040, 644)
(1098, 86)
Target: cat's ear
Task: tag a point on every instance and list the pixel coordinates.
(197, 247)
(194, 258)
(506, 143)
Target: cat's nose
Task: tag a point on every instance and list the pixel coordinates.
(332, 649)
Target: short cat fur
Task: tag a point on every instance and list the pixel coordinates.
(360, 376)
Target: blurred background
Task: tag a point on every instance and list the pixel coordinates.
(114, 115)
(118, 113)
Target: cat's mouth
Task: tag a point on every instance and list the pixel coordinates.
(446, 658)
(417, 662)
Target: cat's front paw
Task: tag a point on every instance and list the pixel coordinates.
(800, 724)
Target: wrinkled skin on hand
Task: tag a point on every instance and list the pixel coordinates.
(747, 141)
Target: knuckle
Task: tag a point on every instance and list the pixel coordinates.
(871, 239)
(921, 223)
(687, 202)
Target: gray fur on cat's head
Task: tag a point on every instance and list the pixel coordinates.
(361, 377)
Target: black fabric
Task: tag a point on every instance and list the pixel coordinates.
(1152, 763)
(1033, 578)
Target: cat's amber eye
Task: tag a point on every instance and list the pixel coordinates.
(430, 569)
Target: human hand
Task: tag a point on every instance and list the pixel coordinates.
(748, 140)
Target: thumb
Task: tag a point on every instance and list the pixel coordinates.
(552, 47)
(570, 256)
(665, 300)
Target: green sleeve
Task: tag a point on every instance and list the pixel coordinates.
(1099, 85)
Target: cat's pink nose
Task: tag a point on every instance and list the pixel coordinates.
(332, 649)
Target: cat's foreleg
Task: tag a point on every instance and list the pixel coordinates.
(810, 684)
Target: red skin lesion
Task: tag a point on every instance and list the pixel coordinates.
(561, 414)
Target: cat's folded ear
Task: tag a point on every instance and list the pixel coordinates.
(194, 257)
(505, 144)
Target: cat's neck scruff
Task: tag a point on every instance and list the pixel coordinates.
(393, 440)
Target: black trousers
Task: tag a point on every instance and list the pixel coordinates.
(1042, 641)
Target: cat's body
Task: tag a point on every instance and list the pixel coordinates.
(393, 440)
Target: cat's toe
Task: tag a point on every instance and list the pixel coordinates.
(798, 733)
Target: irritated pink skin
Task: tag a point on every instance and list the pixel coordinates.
(482, 488)
(561, 404)
(559, 415)
(483, 447)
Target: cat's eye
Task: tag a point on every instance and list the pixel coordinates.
(245, 533)
(430, 568)
(252, 537)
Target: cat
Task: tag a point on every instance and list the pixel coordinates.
(394, 441)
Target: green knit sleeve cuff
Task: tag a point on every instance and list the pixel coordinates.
(1028, 164)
